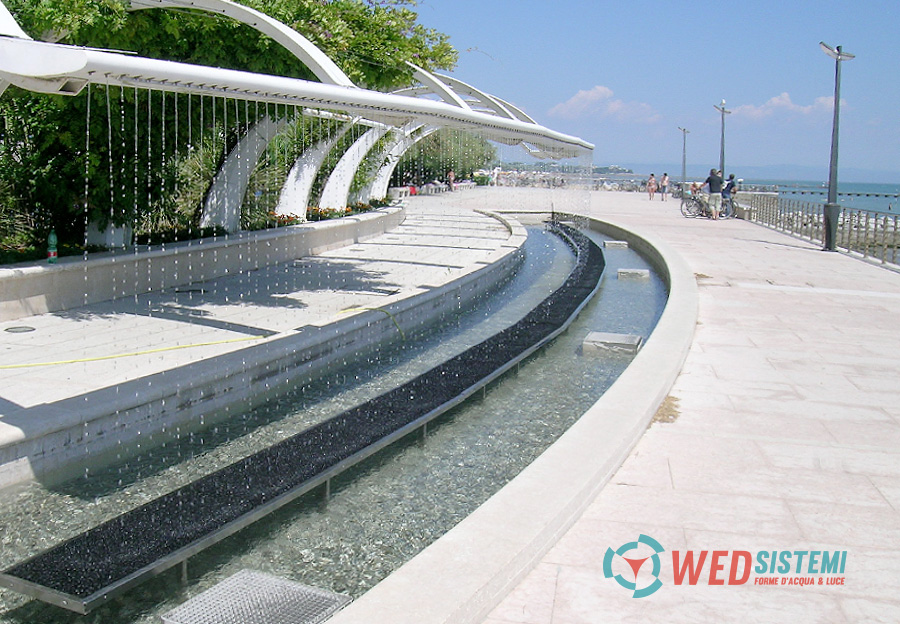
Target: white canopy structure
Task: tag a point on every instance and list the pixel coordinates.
(298, 45)
(440, 101)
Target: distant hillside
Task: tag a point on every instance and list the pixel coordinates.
(542, 165)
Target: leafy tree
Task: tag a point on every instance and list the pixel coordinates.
(434, 156)
(271, 172)
(41, 160)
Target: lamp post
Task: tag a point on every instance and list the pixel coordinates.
(832, 209)
(684, 134)
(721, 109)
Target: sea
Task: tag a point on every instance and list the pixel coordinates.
(874, 197)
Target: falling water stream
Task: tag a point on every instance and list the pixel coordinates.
(386, 509)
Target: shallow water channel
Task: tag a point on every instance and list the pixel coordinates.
(386, 509)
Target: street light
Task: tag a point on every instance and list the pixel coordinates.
(684, 134)
(832, 209)
(721, 109)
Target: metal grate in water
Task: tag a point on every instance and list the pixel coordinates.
(251, 597)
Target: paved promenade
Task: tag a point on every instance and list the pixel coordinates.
(784, 435)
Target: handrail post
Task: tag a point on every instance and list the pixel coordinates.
(866, 235)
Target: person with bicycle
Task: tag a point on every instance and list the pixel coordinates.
(714, 182)
(728, 196)
(692, 204)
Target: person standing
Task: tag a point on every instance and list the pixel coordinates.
(451, 177)
(664, 186)
(714, 181)
(651, 186)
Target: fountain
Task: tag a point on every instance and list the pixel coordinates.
(473, 472)
(95, 566)
(64, 69)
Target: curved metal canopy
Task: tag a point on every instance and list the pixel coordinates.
(451, 90)
(319, 64)
(9, 27)
(430, 84)
(56, 68)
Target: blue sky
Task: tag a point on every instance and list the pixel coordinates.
(625, 75)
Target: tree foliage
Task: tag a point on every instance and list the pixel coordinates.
(432, 157)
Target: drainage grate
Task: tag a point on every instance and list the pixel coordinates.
(251, 597)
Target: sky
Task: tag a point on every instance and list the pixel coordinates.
(626, 74)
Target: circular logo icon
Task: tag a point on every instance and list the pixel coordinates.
(636, 561)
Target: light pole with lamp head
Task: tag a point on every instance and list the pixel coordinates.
(832, 208)
(721, 109)
(684, 134)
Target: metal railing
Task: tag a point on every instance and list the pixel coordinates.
(872, 235)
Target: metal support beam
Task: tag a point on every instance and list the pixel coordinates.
(318, 63)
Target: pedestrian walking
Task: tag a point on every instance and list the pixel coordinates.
(652, 185)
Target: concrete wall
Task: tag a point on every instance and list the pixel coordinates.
(26, 290)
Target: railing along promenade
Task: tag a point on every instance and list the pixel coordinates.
(873, 235)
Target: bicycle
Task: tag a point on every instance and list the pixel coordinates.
(728, 207)
(693, 206)
(728, 204)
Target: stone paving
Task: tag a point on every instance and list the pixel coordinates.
(783, 434)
